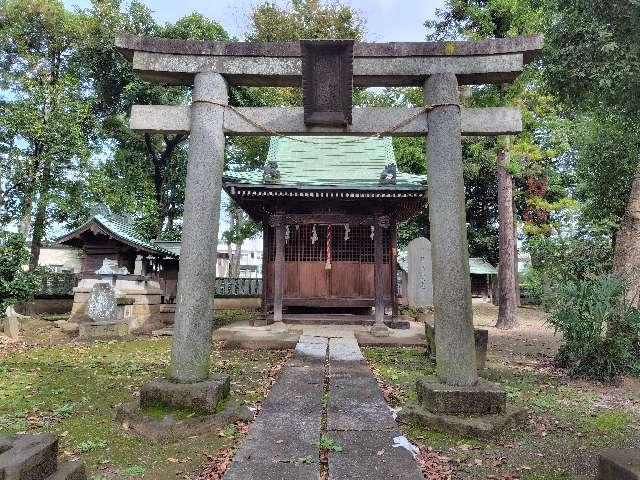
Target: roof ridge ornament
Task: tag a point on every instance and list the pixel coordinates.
(389, 174)
(270, 172)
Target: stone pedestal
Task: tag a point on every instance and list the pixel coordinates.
(35, 457)
(478, 410)
(143, 316)
(90, 330)
(480, 399)
(200, 396)
(379, 330)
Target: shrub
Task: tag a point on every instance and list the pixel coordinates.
(16, 284)
(601, 330)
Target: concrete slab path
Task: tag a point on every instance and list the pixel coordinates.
(326, 388)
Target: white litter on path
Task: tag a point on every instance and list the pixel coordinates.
(402, 441)
(394, 411)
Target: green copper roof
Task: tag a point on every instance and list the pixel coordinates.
(121, 229)
(126, 232)
(477, 266)
(325, 163)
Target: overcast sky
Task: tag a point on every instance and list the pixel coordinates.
(387, 20)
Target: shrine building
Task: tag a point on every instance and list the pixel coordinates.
(329, 207)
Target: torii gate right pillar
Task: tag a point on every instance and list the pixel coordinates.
(453, 315)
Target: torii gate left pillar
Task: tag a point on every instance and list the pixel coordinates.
(193, 325)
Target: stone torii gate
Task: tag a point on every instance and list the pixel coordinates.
(327, 71)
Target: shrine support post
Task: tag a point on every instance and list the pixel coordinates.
(278, 276)
(453, 315)
(379, 328)
(194, 304)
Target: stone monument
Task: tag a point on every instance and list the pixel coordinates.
(420, 283)
(103, 318)
(12, 323)
(102, 303)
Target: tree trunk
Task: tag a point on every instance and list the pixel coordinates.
(230, 258)
(507, 310)
(626, 255)
(39, 223)
(516, 274)
(236, 260)
(25, 217)
(38, 231)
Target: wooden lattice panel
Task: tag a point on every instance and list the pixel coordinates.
(357, 248)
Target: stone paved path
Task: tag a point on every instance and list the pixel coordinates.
(291, 421)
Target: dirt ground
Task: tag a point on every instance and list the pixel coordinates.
(534, 344)
(569, 420)
(51, 382)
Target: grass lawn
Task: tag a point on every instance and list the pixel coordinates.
(69, 390)
(568, 421)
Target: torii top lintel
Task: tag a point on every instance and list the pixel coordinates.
(175, 62)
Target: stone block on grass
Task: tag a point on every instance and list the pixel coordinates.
(89, 330)
(28, 456)
(203, 396)
(69, 471)
(35, 457)
(619, 464)
(480, 399)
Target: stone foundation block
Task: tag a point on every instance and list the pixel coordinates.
(480, 399)
(203, 396)
(88, 330)
(481, 337)
(28, 456)
(171, 429)
(619, 464)
(482, 426)
(35, 457)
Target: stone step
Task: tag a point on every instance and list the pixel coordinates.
(619, 464)
(323, 319)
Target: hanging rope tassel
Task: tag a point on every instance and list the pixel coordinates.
(328, 264)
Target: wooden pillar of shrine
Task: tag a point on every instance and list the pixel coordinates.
(379, 328)
(393, 269)
(278, 274)
(265, 263)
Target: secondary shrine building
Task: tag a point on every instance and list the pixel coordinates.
(329, 207)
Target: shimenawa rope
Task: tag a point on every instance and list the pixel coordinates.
(382, 133)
